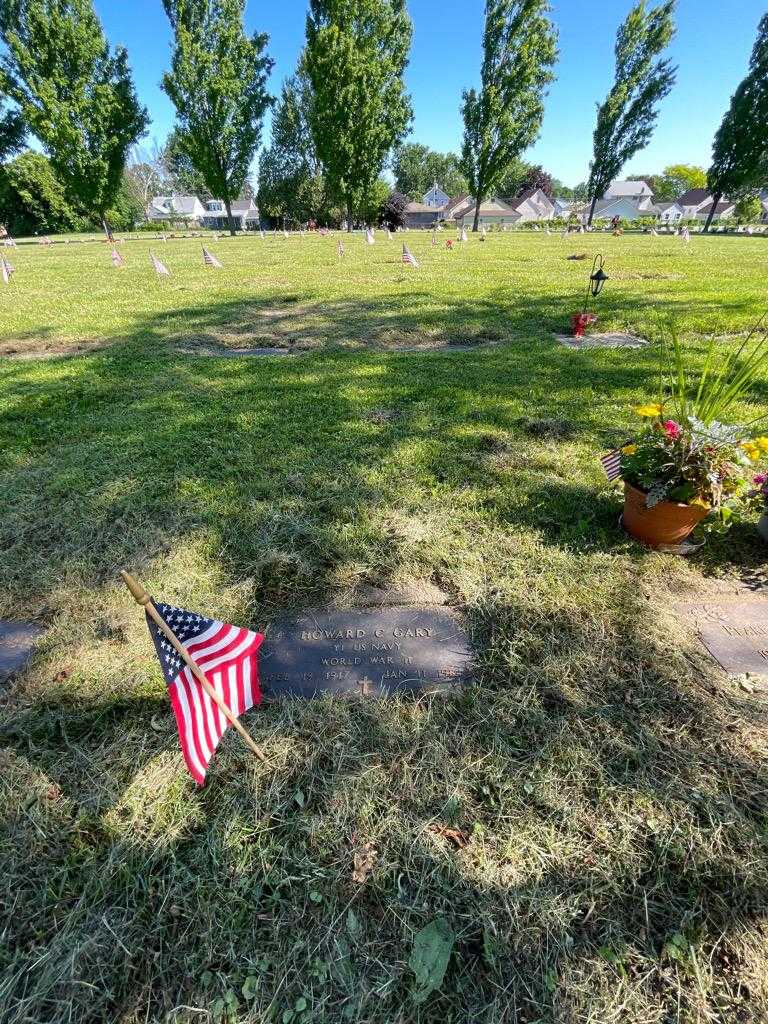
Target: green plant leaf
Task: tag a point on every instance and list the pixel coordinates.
(432, 948)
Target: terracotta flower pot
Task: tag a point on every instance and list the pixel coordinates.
(666, 523)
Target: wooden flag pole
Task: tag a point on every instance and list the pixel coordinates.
(142, 597)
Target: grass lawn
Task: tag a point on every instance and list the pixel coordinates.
(609, 779)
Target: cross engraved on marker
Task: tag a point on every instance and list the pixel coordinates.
(365, 685)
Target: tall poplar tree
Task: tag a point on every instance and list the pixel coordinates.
(356, 53)
(217, 83)
(504, 117)
(73, 93)
(740, 149)
(11, 131)
(625, 121)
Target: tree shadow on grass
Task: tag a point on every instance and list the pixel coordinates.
(614, 857)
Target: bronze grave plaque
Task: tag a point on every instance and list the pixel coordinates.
(371, 652)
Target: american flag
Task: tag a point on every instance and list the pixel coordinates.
(685, 234)
(611, 463)
(340, 248)
(654, 232)
(117, 259)
(9, 243)
(261, 232)
(45, 240)
(434, 237)
(369, 236)
(160, 268)
(210, 260)
(463, 236)
(6, 269)
(408, 257)
(389, 235)
(107, 231)
(285, 233)
(227, 656)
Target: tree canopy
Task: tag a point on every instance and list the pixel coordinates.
(217, 84)
(504, 117)
(73, 93)
(356, 53)
(11, 130)
(740, 150)
(627, 117)
(416, 168)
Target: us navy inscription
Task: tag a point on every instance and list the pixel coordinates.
(373, 652)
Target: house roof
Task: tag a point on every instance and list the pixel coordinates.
(661, 207)
(622, 189)
(526, 194)
(694, 197)
(176, 204)
(721, 207)
(491, 208)
(604, 206)
(422, 208)
(456, 201)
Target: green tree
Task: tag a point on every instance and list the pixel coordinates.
(748, 210)
(217, 84)
(740, 150)
(11, 131)
(183, 178)
(75, 95)
(625, 121)
(291, 182)
(416, 169)
(33, 200)
(356, 53)
(504, 117)
(679, 178)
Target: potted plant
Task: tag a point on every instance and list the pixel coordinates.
(687, 463)
(760, 494)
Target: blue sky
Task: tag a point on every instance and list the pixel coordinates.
(712, 48)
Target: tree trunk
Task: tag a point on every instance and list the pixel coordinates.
(349, 214)
(592, 211)
(228, 205)
(715, 200)
(478, 200)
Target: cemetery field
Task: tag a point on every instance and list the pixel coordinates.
(589, 818)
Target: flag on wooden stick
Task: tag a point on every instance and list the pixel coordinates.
(369, 236)
(408, 256)
(160, 268)
(434, 236)
(117, 259)
(211, 670)
(6, 269)
(340, 248)
(463, 236)
(210, 260)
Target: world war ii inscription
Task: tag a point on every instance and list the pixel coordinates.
(372, 652)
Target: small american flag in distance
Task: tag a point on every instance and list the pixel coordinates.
(228, 657)
(408, 257)
(210, 260)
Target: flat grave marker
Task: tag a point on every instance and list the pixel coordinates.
(735, 631)
(16, 642)
(370, 652)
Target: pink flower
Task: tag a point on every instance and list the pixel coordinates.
(760, 478)
(672, 430)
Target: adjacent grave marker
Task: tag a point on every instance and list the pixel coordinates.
(734, 632)
(372, 652)
(16, 642)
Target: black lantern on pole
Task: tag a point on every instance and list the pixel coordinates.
(597, 279)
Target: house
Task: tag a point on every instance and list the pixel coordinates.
(639, 192)
(456, 206)
(668, 213)
(245, 214)
(696, 202)
(562, 207)
(176, 208)
(492, 211)
(532, 204)
(421, 215)
(624, 208)
(436, 197)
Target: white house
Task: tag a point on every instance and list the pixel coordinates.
(532, 204)
(245, 214)
(623, 207)
(668, 213)
(176, 208)
(492, 211)
(639, 192)
(436, 197)
(562, 206)
(696, 202)
(421, 215)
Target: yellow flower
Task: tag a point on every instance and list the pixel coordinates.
(650, 409)
(762, 443)
(629, 449)
(698, 501)
(751, 450)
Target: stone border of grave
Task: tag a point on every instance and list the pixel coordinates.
(17, 642)
(613, 339)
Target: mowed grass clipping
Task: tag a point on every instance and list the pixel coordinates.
(589, 819)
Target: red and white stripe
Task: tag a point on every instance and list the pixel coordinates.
(227, 656)
(611, 463)
(408, 257)
(209, 260)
